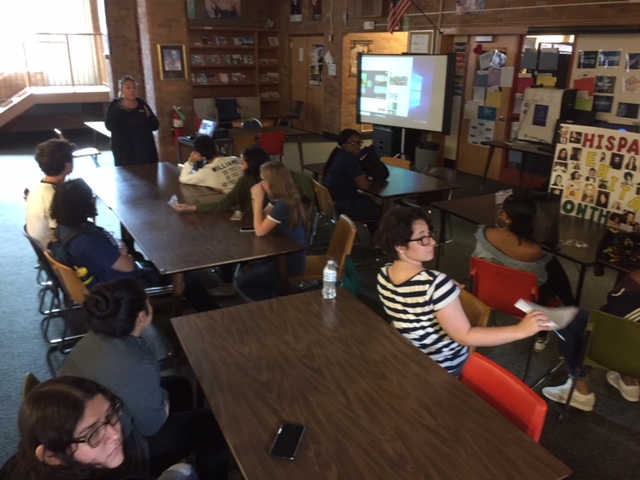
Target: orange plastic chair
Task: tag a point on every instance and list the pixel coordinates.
(272, 143)
(506, 393)
(499, 287)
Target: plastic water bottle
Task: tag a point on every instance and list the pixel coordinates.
(84, 275)
(329, 278)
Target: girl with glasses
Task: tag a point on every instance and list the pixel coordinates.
(70, 429)
(424, 305)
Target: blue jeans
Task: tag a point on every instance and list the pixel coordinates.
(573, 344)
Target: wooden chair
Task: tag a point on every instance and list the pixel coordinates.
(325, 206)
(397, 162)
(500, 287)
(340, 248)
(296, 114)
(82, 152)
(240, 142)
(611, 342)
(477, 312)
(272, 143)
(506, 393)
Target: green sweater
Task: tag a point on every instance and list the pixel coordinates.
(240, 195)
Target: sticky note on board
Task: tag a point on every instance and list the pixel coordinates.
(493, 99)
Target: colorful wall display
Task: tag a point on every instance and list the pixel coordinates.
(596, 171)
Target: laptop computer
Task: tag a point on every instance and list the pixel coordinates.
(207, 127)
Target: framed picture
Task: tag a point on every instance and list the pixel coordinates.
(420, 42)
(172, 64)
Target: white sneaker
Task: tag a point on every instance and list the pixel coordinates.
(541, 342)
(631, 393)
(578, 400)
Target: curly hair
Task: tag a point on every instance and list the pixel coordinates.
(396, 228)
(73, 203)
(53, 155)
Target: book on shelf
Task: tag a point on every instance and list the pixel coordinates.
(247, 59)
(223, 77)
(269, 95)
(238, 77)
(272, 76)
(237, 41)
(272, 61)
(273, 41)
(213, 59)
(264, 61)
(197, 60)
(236, 59)
(220, 40)
(247, 40)
(202, 78)
(228, 60)
(206, 40)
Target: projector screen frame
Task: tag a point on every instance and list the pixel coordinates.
(441, 84)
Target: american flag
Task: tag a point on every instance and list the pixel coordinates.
(396, 12)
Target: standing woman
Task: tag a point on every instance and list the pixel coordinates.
(284, 213)
(131, 123)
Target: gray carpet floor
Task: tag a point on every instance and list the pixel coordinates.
(603, 444)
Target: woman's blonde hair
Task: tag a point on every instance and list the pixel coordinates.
(281, 187)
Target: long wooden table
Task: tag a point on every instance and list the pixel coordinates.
(374, 406)
(482, 210)
(401, 183)
(177, 243)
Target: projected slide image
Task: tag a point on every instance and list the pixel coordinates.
(394, 80)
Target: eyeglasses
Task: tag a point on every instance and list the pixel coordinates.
(424, 241)
(356, 143)
(96, 436)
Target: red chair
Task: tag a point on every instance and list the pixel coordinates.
(272, 143)
(506, 393)
(500, 287)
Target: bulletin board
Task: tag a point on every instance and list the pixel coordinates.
(597, 173)
(608, 67)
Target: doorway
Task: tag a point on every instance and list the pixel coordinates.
(307, 79)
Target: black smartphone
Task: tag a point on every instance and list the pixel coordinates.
(247, 229)
(287, 441)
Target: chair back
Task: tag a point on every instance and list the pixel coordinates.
(252, 124)
(443, 173)
(613, 343)
(69, 280)
(325, 203)
(227, 109)
(42, 260)
(500, 287)
(272, 142)
(477, 312)
(305, 183)
(506, 393)
(397, 162)
(240, 142)
(297, 109)
(341, 243)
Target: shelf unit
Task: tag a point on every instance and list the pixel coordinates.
(236, 63)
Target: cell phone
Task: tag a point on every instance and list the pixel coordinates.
(247, 229)
(287, 441)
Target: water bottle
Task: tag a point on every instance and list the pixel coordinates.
(84, 275)
(329, 278)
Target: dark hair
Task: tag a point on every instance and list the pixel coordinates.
(49, 416)
(53, 155)
(521, 210)
(205, 146)
(628, 175)
(255, 158)
(123, 80)
(114, 307)
(396, 228)
(343, 137)
(73, 203)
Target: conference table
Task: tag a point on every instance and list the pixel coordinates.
(374, 406)
(400, 183)
(483, 210)
(178, 243)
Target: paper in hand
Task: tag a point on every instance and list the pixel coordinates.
(560, 316)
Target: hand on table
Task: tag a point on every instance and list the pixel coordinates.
(184, 208)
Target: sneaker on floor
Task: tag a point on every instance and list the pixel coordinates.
(222, 290)
(631, 393)
(578, 400)
(541, 342)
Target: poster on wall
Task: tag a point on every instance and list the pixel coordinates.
(222, 9)
(596, 172)
(316, 9)
(296, 11)
(316, 64)
(356, 47)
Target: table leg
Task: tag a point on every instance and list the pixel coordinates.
(486, 169)
(442, 237)
(283, 273)
(583, 271)
(177, 280)
(179, 153)
(300, 153)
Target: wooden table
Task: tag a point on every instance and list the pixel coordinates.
(482, 210)
(375, 406)
(177, 243)
(401, 183)
(525, 148)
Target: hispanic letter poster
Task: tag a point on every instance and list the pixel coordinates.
(596, 172)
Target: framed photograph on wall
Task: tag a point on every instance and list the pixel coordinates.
(172, 62)
(421, 42)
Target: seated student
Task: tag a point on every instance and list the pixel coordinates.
(206, 168)
(423, 304)
(284, 213)
(157, 411)
(510, 243)
(71, 428)
(344, 177)
(55, 159)
(251, 160)
(90, 246)
(623, 301)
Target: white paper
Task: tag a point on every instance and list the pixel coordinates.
(506, 77)
(471, 110)
(479, 93)
(560, 316)
(484, 61)
(333, 71)
(328, 58)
